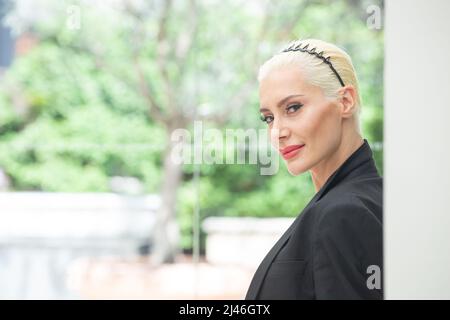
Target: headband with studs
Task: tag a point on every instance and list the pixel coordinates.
(298, 47)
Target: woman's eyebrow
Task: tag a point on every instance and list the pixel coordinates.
(282, 101)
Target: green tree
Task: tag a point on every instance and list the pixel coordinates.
(77, 108)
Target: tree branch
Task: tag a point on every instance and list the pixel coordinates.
(155, 110)
(243, 95)
(187, 39)
(162, 49)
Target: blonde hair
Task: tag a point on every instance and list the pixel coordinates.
(316, 71)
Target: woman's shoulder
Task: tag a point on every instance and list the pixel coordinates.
(349, 210)
(356, 197)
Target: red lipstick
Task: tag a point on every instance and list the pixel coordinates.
(291, 151)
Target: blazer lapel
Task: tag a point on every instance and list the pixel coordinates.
(264, 266)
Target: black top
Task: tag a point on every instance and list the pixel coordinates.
(334, 248)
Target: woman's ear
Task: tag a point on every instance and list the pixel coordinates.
(348, 101)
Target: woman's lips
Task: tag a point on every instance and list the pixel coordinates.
(291, 151)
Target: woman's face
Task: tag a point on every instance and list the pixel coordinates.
(300, 119)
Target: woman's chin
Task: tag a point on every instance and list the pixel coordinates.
(296, 170)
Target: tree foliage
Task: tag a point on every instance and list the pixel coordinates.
(85, 105)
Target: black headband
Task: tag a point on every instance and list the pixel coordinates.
(297, 47)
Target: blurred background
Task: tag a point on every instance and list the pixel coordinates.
(91, 205)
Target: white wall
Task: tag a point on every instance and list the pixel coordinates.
(417, 149)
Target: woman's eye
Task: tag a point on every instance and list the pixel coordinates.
(293, 108)
(267, 119)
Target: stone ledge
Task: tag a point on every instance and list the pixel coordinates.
(242, 241)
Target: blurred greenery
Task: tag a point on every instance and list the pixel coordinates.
(72, 116)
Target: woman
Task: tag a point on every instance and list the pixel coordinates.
(333, 250)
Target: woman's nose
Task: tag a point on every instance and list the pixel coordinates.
(278, 132)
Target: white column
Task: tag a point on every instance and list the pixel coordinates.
(417, 150)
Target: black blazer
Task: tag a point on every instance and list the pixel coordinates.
(334, 248)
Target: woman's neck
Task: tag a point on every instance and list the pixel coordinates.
(324, 169)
